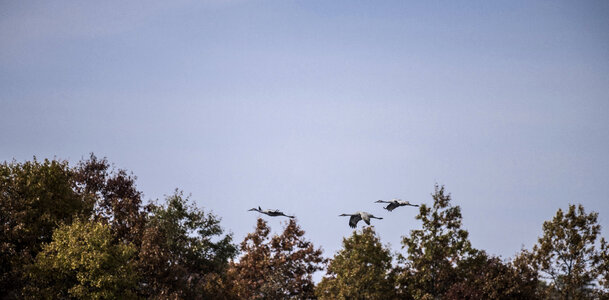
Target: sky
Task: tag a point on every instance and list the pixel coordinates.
(320, 108)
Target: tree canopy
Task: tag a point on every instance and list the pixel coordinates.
(277, 267)
(569, 256)
(360, 270)
(182, 248)
(440, 262)
(84, 231)
(435, 250)
(83, 261)
(35, 197)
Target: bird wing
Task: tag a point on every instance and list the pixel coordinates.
(366, 219)
(391, 206)
(353, 220)
(282, 214)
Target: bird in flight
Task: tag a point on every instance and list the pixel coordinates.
(395, 203)
(360, 215)
(269, 212)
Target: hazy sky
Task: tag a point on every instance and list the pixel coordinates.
(322, 107)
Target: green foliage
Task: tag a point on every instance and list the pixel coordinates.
(435, 250)
(35, 197)
(82, 261)
(83, 232)
(179, 251)
(280, 267)
(566, 254)
(182, 248)
(360, 270)
(116, 199)
(485, 277)
(602, 291)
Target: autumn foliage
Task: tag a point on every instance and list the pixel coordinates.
(84, 231)
(277, 267)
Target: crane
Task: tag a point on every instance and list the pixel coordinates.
(395, 203)
(269, 212)
(360, 215)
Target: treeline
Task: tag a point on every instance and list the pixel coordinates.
(83, 231)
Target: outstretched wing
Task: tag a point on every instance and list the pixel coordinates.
(391, 206)
(291, 217)
(353, 220)
(276, 213)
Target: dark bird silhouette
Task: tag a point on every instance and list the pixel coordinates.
(395, 203)
(269, 212)
(360, 215)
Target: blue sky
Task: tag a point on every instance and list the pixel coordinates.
(320, 108)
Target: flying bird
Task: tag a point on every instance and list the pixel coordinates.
(360, 215)
(395, 203)
(269, 212)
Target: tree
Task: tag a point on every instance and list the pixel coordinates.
(485, 277)
(280, 267)
(435, 250)
(603, 269)
(566, 254)
(360, 270)
(115, 197)
(82, 261)
(180, 251)
(183, 248)
(35, 197)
